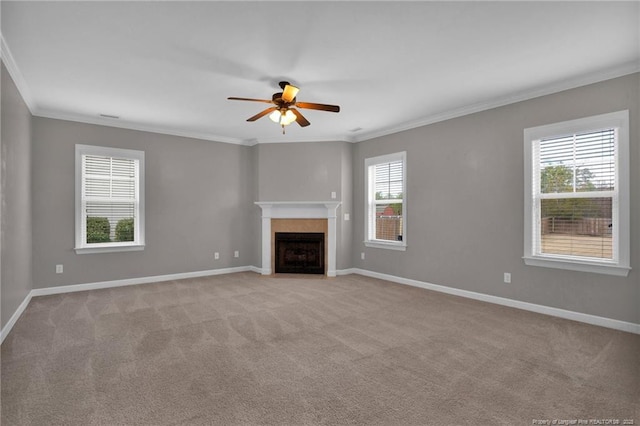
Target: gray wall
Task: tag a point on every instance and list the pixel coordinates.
(300, 171)
(199, 199)
(345, 230)
(465, 204)
(310, 171)
(15, 144)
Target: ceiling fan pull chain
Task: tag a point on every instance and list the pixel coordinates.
(283, 129)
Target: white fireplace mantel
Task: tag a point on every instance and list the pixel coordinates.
(299, 210)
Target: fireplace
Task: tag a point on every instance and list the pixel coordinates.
(298, 216)
(299, 252)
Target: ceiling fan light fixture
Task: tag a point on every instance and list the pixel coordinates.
(289, 93)
(284, 117)
(287, 118)
(275, 116)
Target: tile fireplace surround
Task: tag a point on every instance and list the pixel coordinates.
(298, 210)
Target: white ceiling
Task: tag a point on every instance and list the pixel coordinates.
(170, 66)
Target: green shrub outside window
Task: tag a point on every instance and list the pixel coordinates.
(98, 230)
(124, 230)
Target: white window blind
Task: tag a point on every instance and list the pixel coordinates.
(388, 182)
(577, 194)
(576, 175)
(109, 191)
(109, 198)
(385, 199)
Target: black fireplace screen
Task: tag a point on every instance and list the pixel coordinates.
(299, 253)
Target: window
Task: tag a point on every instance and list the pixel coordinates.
(109, 199)
(577, 195)
(385, 201)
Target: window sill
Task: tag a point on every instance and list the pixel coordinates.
(577, 265)
(108, 249)
(384, 245)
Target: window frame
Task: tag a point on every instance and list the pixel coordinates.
(620, 264)
(81, 247)
(370, 196)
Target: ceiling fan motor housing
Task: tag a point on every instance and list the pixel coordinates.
(277, 99)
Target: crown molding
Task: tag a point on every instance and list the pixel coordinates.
(173, 132)
(303, 140)
(583, 80)
(16, 75)
(139, 127)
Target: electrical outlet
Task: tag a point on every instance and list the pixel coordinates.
(346, 216)
(216, 255)
(236, 253)
(333, 195)
(59, 269)
(507, 277)
(362, 255)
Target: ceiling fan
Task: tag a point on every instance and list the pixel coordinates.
(283, 111)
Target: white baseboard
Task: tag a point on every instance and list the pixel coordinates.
(135, 281)
(338, 272)
(14, 318)
(255, 269)
(546, 310)
(115, 283)
(348, 271)
(532, 307)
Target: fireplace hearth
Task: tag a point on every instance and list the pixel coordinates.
(299, 252)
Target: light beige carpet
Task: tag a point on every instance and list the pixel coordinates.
(243, 349)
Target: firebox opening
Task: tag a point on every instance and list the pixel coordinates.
(299, 252)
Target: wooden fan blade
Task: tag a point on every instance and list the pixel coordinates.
(289, 93)
(321, 107)
(303, 122)
(262, 114)
(250, 99)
